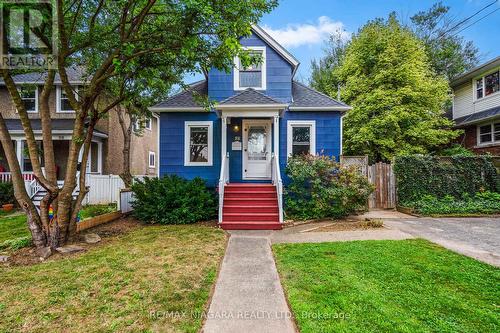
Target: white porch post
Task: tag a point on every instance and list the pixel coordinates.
(19, 153)
(276, 137)
(224, 137)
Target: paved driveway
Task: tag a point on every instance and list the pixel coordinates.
(474, 237)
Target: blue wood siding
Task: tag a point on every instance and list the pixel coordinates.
(278, 75)
(172, 146)
(327, 133)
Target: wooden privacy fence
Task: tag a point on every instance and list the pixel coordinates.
(382, 176)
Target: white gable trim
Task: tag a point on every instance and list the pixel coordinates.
(276, 46)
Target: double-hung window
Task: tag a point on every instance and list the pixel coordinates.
(198, 143)
(152, 159)
(301, 137)
(253, 75)
(29, 96)
(487, 85)
(489, 133)
(63, 104)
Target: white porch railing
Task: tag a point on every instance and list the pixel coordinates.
(7, 176)
(276, 177)
(223, 180)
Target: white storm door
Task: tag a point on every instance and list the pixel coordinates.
(257, 149)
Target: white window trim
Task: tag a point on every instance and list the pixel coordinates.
(236, 76)
(99, 159)
(474, 86)
(58, 100)
(478, 135)
(150, 127)
(300, 123)
(36, 100)
(153, 154)
(187, 141)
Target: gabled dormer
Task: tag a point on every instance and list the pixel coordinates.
(273, 76)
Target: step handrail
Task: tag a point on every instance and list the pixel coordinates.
(276, 177)
(223, 180)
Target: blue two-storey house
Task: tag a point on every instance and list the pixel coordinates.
(261, 116)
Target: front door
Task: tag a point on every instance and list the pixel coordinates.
(256, 149)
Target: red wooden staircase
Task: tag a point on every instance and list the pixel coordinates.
(250, 207)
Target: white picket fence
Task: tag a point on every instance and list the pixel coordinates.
(104, 189)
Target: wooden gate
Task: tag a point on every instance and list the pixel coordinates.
(382, 176)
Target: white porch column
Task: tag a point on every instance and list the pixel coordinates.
(19, 153)
(276, 137)
(224, 137)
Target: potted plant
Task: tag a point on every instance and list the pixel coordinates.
(7, 198)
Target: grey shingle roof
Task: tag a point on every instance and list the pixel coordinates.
(75, 75)
(476, 117)
(249, 96)
(57, 125)
(186, 98)
(303, 96)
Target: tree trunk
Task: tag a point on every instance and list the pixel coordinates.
(126, 175)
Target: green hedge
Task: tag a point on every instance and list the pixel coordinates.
(6, 193)
(418, 176)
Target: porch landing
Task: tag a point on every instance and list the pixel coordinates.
(250, 206)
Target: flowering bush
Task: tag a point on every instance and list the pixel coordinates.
(319, 187)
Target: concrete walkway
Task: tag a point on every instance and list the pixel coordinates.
(478, 238)
(248, 295)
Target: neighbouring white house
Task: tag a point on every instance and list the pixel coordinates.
(476, 107)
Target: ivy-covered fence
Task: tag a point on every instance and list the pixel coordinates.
(419, 176)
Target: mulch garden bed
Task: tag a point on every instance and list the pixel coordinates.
(349, 225)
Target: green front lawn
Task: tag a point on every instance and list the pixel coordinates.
(14, 231)
(388, 286)
(131, 283)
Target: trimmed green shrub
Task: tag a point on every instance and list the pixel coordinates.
(418, 176)
(480, 203)
(6, 193)
(319, 188)
(456, 150)
(173, 200)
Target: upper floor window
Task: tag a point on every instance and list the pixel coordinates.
(489, 133)
(29, 96)
(487, 85)
(254, 75)
(139, 125)
(63, 104)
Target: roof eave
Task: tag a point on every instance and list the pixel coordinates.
(320, 108)
(251, 106)
(176, 109)
(277, 47)
(469, 75)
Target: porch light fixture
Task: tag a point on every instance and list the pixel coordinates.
(236, 128)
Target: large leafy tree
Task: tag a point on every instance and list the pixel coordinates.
(449, 53)
(397, 98)
(122, 45)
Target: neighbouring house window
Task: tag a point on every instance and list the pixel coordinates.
(489, 133)
(252, 76)
(27, 165)
(63, 104)
(487, 85)
(138, 124)
(147, 124)
(152, 159)
(301, 137)
(479, 88)
(29, 95)
(198, 143)
(93, 165)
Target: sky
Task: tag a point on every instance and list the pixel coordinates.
(303, 26)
